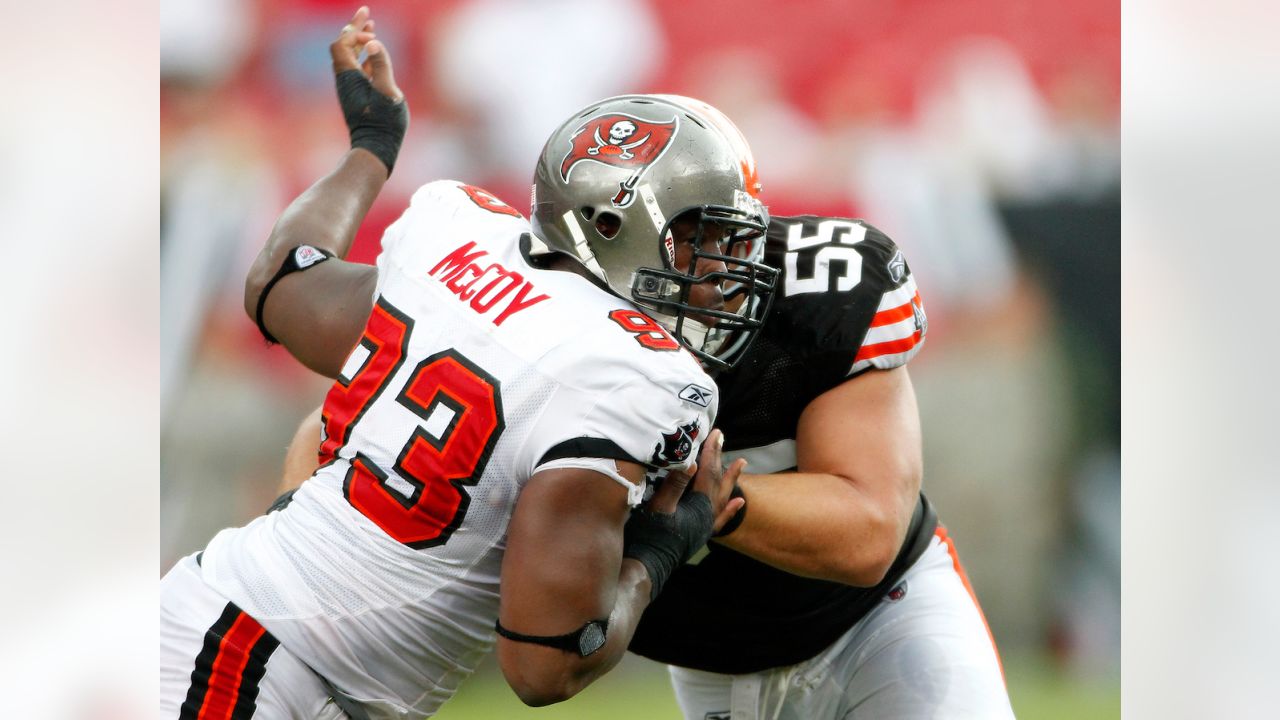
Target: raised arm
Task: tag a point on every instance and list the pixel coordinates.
(318, 311)
(566, 567)
(843, 514)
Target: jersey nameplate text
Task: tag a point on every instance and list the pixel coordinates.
(489, 288)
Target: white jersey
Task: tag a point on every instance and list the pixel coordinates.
(476, 368)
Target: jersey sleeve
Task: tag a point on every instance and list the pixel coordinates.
(849, 298)
(897, 330)
(656, 423)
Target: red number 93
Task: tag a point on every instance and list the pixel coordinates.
(423, 499)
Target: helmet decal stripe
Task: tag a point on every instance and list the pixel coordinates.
(651, 204)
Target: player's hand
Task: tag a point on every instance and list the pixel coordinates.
(709, 478)
(374, 108)
(356, 37)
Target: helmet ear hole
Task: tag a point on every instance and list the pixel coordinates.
(608, 224)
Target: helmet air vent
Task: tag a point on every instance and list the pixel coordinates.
(608, 224)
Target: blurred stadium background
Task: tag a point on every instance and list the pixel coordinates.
(982, 135)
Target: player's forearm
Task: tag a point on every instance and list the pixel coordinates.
(821, 526)
(325, 216)
(631, 600)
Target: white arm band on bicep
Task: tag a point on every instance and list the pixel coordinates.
(604, 466)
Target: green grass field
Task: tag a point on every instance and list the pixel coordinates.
(638, 690)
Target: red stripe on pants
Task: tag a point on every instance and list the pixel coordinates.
(228, 668)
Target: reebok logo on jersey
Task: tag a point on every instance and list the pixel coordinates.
(717, 715)
(897, 268)
(487, 287)
(697, 395)
(676, 446)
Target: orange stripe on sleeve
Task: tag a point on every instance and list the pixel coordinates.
(895, 314)
(891, 347)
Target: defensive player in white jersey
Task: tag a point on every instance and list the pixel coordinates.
(497, 407)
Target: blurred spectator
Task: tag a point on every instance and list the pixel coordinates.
(215, 187)
(512, 67)
(204, 41)
(787, 144)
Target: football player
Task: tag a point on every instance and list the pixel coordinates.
(500, 397)
(834, 593)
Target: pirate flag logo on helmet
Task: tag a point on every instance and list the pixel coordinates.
(622, 141)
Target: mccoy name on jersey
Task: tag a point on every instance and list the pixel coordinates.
(847, 303)
(476, 368)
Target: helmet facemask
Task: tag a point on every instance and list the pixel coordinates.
(716, 336)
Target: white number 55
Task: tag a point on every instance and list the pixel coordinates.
(850, 233)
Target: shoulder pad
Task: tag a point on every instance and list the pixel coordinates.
(443, 209)
(845, 287)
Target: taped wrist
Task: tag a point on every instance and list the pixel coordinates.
(376, 122)
(662, 542)
(738, 517)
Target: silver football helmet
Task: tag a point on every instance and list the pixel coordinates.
(614, 177)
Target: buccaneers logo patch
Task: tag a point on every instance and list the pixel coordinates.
(676, 446)
(622, 141)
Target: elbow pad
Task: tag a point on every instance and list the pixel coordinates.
(662, 542)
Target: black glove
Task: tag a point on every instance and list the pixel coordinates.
(377, 123)
(662, 542)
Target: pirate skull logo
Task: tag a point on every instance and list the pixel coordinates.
(617, 145)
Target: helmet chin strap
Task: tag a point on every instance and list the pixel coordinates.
(696, 334)
(582, 248)
(736, 341)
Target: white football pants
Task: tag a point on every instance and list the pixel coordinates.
(217, 662)
(923, 652)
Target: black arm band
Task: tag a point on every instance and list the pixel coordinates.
(738, 517)
(583, 641)
(299, 258)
